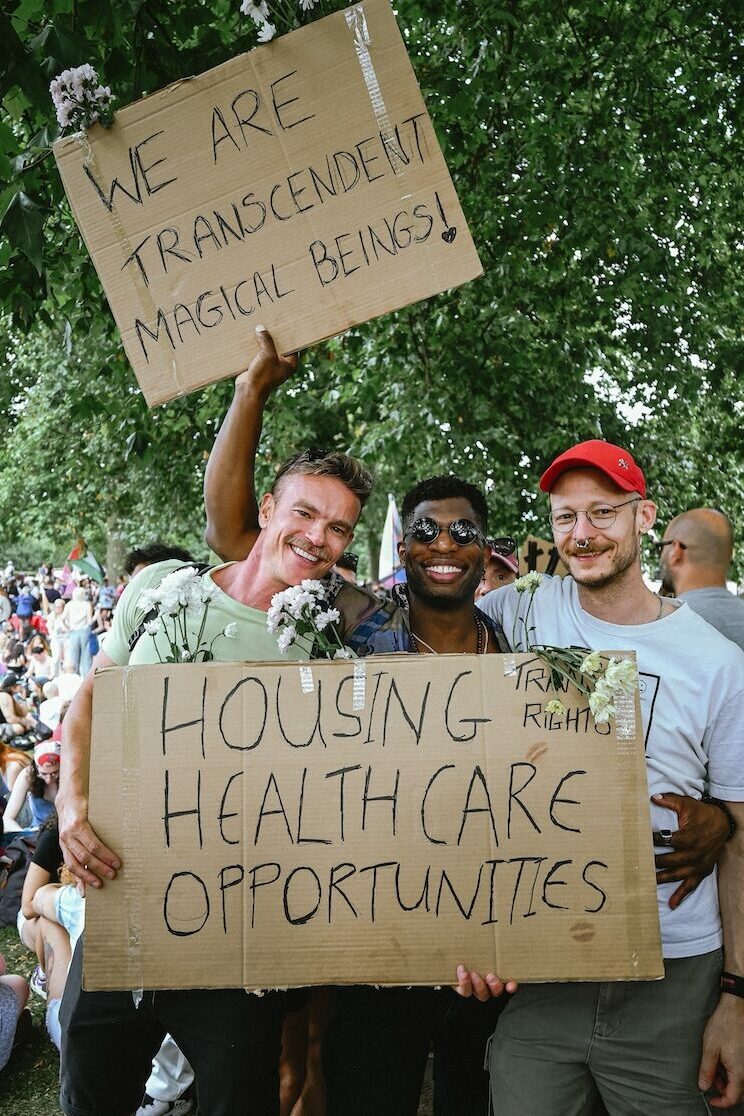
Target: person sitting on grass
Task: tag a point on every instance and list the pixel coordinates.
(13, 999)
(37, 786)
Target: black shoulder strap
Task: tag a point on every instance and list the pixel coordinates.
(136, 636)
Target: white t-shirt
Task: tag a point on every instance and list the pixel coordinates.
(692, 701)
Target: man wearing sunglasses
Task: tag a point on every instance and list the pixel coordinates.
(654, 1047)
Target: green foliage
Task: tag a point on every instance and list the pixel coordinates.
(597, 151)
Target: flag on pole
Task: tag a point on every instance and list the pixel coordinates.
(84, 561)
(390, 570)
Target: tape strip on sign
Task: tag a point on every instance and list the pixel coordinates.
(357, 23)
(306, 679)
(625, 717)
(510, 665)
(359, 686)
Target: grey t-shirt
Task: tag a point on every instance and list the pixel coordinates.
(721, 609)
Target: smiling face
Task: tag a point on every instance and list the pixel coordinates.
(605, 553)
(306, 526)
(441, 573)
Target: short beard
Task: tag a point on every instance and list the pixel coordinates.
(622, 562)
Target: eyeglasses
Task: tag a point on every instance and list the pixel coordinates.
(505, 547)
(601, 515)
(461, 531)
(659, 546)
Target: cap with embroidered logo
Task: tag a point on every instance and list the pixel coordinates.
(614, 461)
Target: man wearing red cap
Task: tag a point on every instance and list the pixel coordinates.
(653, 1047)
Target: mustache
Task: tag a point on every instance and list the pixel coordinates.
(319, 553)
(584, 550)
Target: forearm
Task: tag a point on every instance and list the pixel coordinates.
(229, 480)
(731, 894)
(73, 774)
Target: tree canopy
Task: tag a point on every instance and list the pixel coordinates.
(597, 152)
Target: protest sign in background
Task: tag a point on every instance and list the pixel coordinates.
(376, 821)
(300, 186)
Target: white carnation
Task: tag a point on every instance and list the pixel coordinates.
(231, 631)
(266, 32)
(286, 638)
(259, 12)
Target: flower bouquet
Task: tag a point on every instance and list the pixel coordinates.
(301, 615)
(601, 679)
(177, 606)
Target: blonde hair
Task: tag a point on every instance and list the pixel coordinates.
(319, 463)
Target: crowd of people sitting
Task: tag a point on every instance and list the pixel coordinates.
(52, 622)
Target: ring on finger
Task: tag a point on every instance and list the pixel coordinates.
(665, 837)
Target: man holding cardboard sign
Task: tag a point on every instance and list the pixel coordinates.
(231, 1039)
(638, 1045)
(374, 1044)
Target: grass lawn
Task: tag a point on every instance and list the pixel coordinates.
(29, 1082)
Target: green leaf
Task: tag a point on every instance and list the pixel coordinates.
(23, 224)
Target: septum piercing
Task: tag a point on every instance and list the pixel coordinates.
(582, 544)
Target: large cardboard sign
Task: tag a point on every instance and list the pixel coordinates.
(300, 186)
(377, 821)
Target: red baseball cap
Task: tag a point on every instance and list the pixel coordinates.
(614, 461)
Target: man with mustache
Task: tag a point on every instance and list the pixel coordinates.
(230, 1039)
(375, 1050)
(653, 1047)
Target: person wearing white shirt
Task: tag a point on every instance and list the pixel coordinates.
(659, 1047)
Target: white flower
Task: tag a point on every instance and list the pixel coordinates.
(185, 655)
(323, 619)
(555, 706)
(286, 638)
(259, 12)
(230, 631)
(529, 582)
(152, 627)
(312, 585)
(307, 5)
(77, 95)
(266, 32)
(343, 653)
(621, 676)
(591, 663)
(600, 703)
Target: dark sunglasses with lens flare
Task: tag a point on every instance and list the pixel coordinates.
(461, 531)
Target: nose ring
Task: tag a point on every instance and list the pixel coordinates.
(582, 544)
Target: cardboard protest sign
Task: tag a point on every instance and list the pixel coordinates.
(541, 555)
(300, 186)
(377, 821)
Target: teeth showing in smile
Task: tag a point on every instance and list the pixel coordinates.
(303, 553)
(443, 569)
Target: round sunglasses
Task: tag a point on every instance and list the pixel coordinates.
(461, 531)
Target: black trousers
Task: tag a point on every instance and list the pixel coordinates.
(231, 1039)
(376, 1045)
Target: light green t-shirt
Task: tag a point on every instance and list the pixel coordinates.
(252, 642)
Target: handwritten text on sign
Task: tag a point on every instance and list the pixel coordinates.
(273, 836)
(300, 186)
